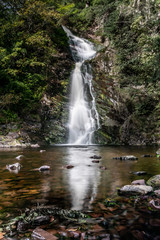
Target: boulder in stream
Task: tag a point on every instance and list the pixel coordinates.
(139, 173)
(14, 168)
(95, 161)
(69, 166)
(133, 190)
(129, 157)
(154, 181)
(41, 151)
(44, 168)
(147, 155)
(96, 157)
(102, 168)
(158, 152)
(139, 182)
(19, 157)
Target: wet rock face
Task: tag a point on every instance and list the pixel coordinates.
(122, 121)
(132, 190)
(154, 181)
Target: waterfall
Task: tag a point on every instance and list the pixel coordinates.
(83, 116)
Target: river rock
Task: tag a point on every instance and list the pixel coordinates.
(131, 190)
(96, 157)
(22, 226)
(41, 151)
(158, 152)
(19, 157)
(95, 161)
(154, 181)
(139, 173)
(13, 168)
(129, 157)
(157, 193)
(35, 145)
(69, 166)
(40, 234)
(147, 155)
(102, 167)
(44, 168)
(155, 204)
(41, 220)
(139, 182)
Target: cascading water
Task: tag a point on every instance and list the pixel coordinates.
(83, 116)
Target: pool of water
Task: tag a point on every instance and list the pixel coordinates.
(77, 188)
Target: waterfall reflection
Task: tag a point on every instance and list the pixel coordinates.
(83, 179)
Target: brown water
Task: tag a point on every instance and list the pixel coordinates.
(75, 188)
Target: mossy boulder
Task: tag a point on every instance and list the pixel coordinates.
(154, 181)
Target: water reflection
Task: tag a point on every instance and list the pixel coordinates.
(83, 179)
(74, 188)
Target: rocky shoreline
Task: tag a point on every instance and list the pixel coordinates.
(134, 215)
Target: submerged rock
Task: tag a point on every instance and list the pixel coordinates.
(44, 168)
(154, 181)
(129, 157)
(139, 173)
(95, 161)
(69, 166)
(96, 157)
(139, 182)
(131, 190)
(41, 151)
(147, 155)
(103, 167)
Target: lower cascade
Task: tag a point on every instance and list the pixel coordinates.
(83, 116)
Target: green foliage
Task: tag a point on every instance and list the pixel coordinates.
(110, 203)
(135, 36)
(31, 41)
(8, 116)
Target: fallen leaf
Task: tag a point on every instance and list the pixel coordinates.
(102, 206)
(1, 235)
(72, 229)
(52, 219)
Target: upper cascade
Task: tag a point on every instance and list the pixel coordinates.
(81, 48)
(83, 116)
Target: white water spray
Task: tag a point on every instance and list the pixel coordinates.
(83, 116)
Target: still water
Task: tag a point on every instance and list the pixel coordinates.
(80, 187)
